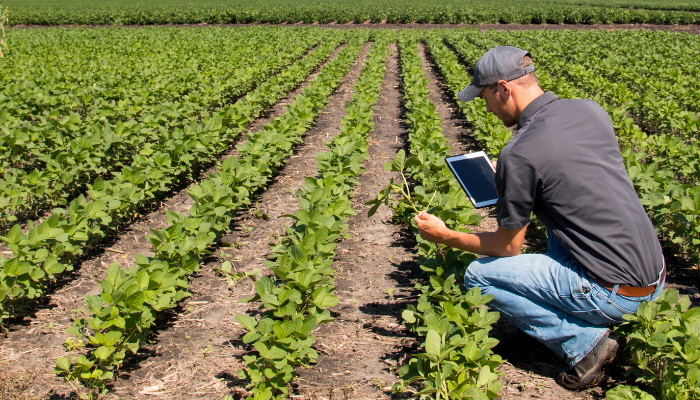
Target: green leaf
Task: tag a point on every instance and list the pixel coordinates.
(433, 343)
(484, 376)
(247, 321)
(62, 365)
(623, 392)
(397, 164)
(297, 253)
(659, 339)
(408, 316)
(374, 208)
(135, 301)
(102, 353)
(325, 300)
(263, 286)
(111, 338)
(14, 236)
(693, 376)
(94, 303)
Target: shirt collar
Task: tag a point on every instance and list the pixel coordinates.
(534, 106)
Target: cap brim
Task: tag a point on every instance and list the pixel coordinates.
(469, 92)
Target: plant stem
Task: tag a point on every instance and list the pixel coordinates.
(431, 200)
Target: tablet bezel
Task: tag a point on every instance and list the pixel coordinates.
(475, 154)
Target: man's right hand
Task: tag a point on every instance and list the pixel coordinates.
(430, 227)
(499, 243)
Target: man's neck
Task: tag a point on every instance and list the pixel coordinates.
(524, 97)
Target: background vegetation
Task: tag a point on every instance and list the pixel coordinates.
(45, 12)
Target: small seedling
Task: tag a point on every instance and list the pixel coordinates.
(260, 215)
(233, 278)
(71, 344)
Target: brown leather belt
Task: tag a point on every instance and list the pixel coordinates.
(630, 291)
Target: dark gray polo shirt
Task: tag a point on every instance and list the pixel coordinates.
(564, 164)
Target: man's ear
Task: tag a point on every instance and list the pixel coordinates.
(505, 88)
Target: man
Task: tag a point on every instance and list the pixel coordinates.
(563, 164)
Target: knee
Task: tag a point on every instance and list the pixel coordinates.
(474, 276)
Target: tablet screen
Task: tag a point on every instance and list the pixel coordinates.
(476, 176)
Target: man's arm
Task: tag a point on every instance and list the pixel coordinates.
(501, 243)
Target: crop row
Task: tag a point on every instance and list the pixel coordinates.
(122, 314)
(296, 299)
(458, 361)
(66, 125)
(51, 246)
(326, 11)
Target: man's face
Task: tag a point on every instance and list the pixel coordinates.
(497, 98)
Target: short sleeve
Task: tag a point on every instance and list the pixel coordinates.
(517, 183)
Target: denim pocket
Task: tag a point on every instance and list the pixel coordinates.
(615, 309)
(626, 306)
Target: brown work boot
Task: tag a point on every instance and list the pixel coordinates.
(590, 371)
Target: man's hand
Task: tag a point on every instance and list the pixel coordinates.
(500, 243)
(430, 227)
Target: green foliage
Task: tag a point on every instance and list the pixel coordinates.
(52, 245)
(43, 12)
(101, 139)
(624, 392)
(664, 343)
(64, 125)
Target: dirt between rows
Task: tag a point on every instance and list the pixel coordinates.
(693, 29)
(196, 348)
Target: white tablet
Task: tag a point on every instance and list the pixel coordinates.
(476, 175)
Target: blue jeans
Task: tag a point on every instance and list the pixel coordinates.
(549, 297)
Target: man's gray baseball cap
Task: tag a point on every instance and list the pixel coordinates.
(500, 63)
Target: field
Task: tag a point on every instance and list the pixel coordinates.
(205, 212)
(128, 12)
